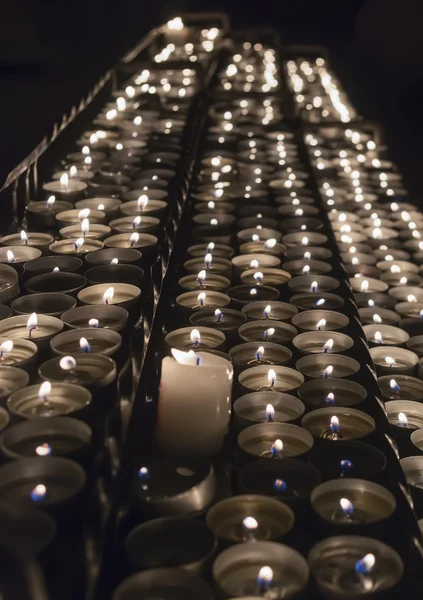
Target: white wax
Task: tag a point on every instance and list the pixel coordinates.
(194, 405)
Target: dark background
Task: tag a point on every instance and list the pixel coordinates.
(51, 52)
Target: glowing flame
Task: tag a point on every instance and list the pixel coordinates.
(175, 24)
(347, 506)
(134, 238)
(258, 276)
(306, 270)
(365, 565)
(320, 302)
(84, 345)
(32, 323)
(394, 385)
(250, 523)
(411, 298)
(254, 264)
(321, 324)
(45, 389)
(259, 353)
(210, 247)
(6, 346)
(24, 237)
(201, 298)
(195, 336)
(108, 295)
(93, 323)
(277, 448)
(328, 371)
(114, 261)
(265, 578)
(142, 202)
(270, 412)
(64, 180)
(208, 260)
(10, 256)
(67, 363)
(267, 311)
(51, 201)
(43, 450)
(402, 420)
(378, 337)
(84, 214)
(330, 399)
(271, 377)
(390, 361)
(403, 281)
(38, 493)
(270, 243)
(304, 241)
(269, 332)
(314, 286)
(218, 314)
(136, 221)
(377, 319)
(364, 287)
(185, 358)
(334, 424)
(328, 345)
(85, 226)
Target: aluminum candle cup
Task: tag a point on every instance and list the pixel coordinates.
(313, 283)
(228, 321)
(154, 208)
(417, 441)
(115, 273)
(304, 238)
(200, 428)
(96, 231)
(112, 256)
(415, 344)
(239, 570)
(311, 301)
(352, 503)
(39, 437)
(217, 266)
(368, 285)
(39, 329)
(189, 544)
(5, 312)
(244, 262)
(413, 471)
(270, 379)
(11, 380)
(275, 331)
(327, 365)
(107, 316)
(75, 217)
(337, 564)
(274, 249)
(266, 407)
(123, 295)
(374, 316)
(409, 309)
(110, 206)
(143, 242)
(390, 360)
(309, 267)
(210, 282)
(94, 340)
(75, 247)
(406, 294)
(309, 253)
(320, 320)
(378, 300)
(265, 234)
(289, 480)
(405, 416)
(9, 286)
(269, 519)
(349, 459)
(52, 400)
(331, 392)
(53, 304)
(43, 214)
(166, 584)
(47, 264)
(402, 387)
(18, 353)
(263, 353)
(328, 342)
(265, 276)
(190, 338)
(174, 486)
(93, 371)
(140, 224)
(274, 441)
(189, 302)
(218, 251)
(65, 283)
(244, 294)
(273, 311)
(71, 192)
(17, 256)
(336, 424)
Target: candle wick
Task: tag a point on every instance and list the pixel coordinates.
(31, 329)
(198, 361)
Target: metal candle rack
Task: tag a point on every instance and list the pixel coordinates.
(133, 482)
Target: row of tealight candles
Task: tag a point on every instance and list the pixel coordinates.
(266, 372)
(75, 279)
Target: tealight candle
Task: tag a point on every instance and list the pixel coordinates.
(328, 342)
(163, 583)
(107, 315)
(110, 206)
(9, 287)
(200, 427)
(278, 311)
(146, 243)
(331, 392)
(307, 267)
(66, 189)
(227, 321)
(308, 238)
(118, 294)
(260, 568)
(313, 283)
(127, 274)
(204, 280)
(336, 423)
(413, 467)
(415, 344)
(91, 339)
(49, 400)
(76, 217)
(43, 213)
(75, 246)
(386, 335)
(402, 387)
(261, 353)
(250, 518)
(190, 338)
(65, 283)
(53, 304)
(143, 206)
(39, 437)
(377, 316)
(217, 250)
(265, 276)
(48, 264)
(343, 565)
(139, 223)
(11, 378)
(112, 256)
(271, 246)
(320, 320)
(275, 379)
(310, 301)
(405, 416)
(375, 301)
(389, 360)
(36, 328)
(417, 441)
(32, 240)
(244, 294)
(368, 285)
(202, 300)
(261, 330)
(93, 371)
(306, 254)
(349, 459)
(218, 266)
(86, 230)
(266, 407)
(243, 262)
(327, 365)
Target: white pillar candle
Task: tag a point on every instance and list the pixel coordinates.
(194, 403)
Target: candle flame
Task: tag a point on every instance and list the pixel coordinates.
(51, 201)
(195, 336)
(134, 238)
(32, 321)
(214, 222)
(277, 446)
(24, 236)
(64, 180)
(320, 302)
(108, 294)
(114, 261)
(43, 450)
(84, 213)
(10, 256)
(330, 399)
(395, 269)
(364, 285)
(270, 243)
(6, 346)
(175, 24)
(210, 247)
(184, 358)
(143, 473)
(93, 139)
(201, 298)
(402, 419)
(85, 226)
(67, 363)
(254, 264)
(321, 324)
(45, 389)
(208, 260)
(211, 205)
(201, 275)
(411, 298)
(378, 337)
(253, 292)
(142, 202)
(279, 485)
(304, 241)
(101, 207)
(250, 523)
(328, 345)
(390, 361)
(377, 319)
(365, 565)
(314, 286)
(136, 221)
(347, 506)
(334, 424)
(271, 377)
(270, 412)
(93, 323)
(269, 332)
(328, 371)
(258, 276)
(403, 281)
(394, 385)
(84, 345)
(265, 577)
(39, 492)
